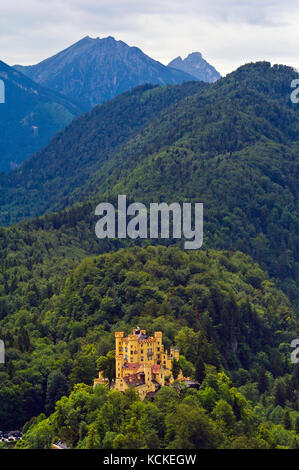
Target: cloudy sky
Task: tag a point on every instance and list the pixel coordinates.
(227, 32)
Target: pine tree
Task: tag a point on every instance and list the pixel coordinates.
(23, 340)
(277, 366)
(237, 409)
(175, 369)
(200, 372)
(287, 421)
(279, 393)
(289, 389)
(93, 439)
(262, 381)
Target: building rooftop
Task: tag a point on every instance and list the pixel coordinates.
(135, 379)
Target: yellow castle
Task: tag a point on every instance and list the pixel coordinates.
(141, 362)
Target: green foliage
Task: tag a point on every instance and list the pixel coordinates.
(232, 145)
(107, 365)
(200, 372)
(102, 418)
(57, 386)
(175, 368)
(69, 337)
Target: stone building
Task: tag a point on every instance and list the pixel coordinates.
(142, 362)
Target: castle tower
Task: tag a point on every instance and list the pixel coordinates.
(147, 374)
(119, 357)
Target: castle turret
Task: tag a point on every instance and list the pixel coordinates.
(174, 353)
(147, 373)
(119, 357)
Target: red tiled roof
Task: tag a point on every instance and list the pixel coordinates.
(147, 340)
(134, 379)
(156, 368)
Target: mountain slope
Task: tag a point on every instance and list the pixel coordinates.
(249, 107)
(197, 66)
(96, 70)
(232, 145)
(67, 164)
(29, 118)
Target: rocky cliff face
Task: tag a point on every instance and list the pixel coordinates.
(197, 66)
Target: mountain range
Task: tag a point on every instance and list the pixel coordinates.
(94, 70)
(197, 66)
(43, 98)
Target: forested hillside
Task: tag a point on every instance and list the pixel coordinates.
(57, 177)
(30, 117)
(232, 145)
(219, 308)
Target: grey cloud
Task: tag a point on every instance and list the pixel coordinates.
(226, 31)
(266, 12)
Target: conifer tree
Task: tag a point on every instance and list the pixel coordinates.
(287, 421)
(262, 380)
(200, 372)
(175, 369)
(279, 393)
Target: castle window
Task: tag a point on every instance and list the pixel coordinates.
(132, 359)
(150, 354)
(142, 358)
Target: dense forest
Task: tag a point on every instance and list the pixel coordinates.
(232, 145)
(232, 325)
